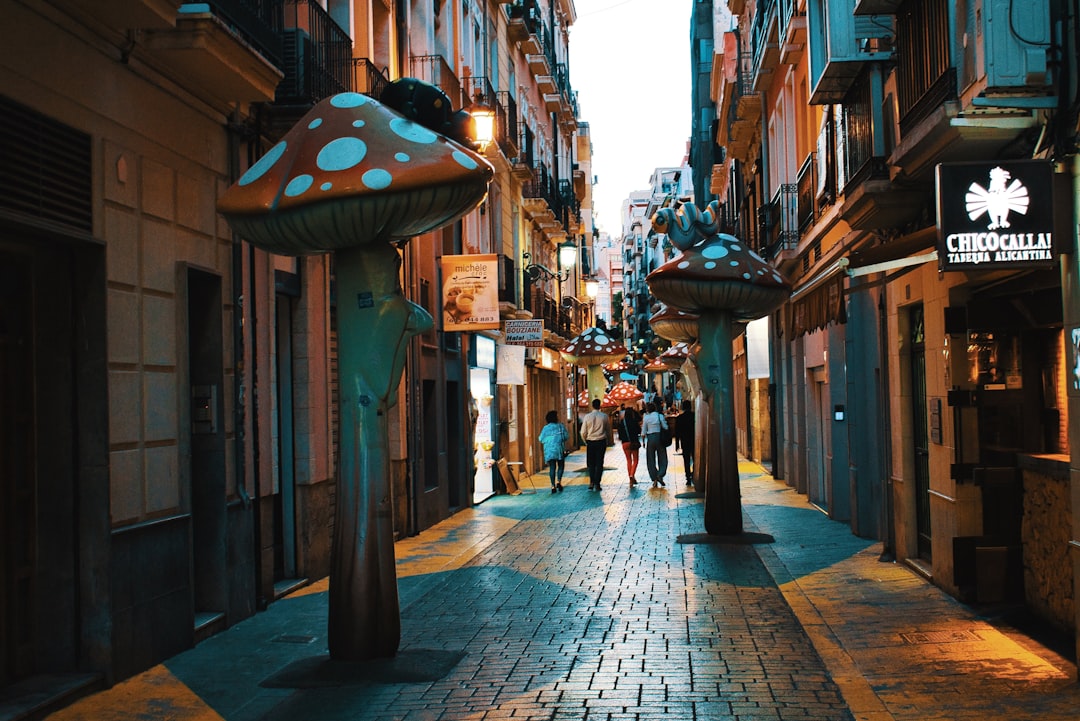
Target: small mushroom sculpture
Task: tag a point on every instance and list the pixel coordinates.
(675, 356)
(674, 325)
(656, 368)
(594, 347)
(623, 392)
(726, 284)
(354, 176)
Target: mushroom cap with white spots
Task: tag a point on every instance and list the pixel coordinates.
(655, 366)
(593, 347)
(674, 357)
(353, 171)
(674, 325)
(720, 273)
(623, 392)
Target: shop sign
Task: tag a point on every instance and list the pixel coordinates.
(995, 215)
(483, 353)
(470, 292)
(529, 333)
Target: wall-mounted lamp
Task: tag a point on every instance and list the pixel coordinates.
(567, 254)
(838, 413)
(567, 258)
(592, 287)
(483, 118)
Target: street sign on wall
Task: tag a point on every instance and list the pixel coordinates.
(995, 214)
(528, 333)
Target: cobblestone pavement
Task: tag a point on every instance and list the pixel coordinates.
(614, 606)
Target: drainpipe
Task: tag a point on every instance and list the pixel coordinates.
(235, 132)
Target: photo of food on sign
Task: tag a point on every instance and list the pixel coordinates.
(470, 292)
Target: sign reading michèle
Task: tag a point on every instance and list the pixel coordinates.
(995, 215)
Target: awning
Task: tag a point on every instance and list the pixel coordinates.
(895, 255)
(816, 304)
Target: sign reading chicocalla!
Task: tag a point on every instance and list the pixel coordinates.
(995, 214)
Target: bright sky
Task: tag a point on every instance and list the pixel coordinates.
(630, 66)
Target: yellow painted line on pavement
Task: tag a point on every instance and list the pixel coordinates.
(154, 694)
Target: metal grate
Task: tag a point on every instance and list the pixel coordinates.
(44, 168)
(927, 637)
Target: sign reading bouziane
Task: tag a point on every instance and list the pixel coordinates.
(994, 215)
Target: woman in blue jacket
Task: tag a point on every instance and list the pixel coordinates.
(553, 437)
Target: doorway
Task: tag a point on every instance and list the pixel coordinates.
(818, 440)
(920, 437)
(207, 491)
(17, 510)
(285, 563)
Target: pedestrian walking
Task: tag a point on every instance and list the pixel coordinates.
(595, 431)
(629, 430)
(553, 437)
(684, 436)
(653, 425)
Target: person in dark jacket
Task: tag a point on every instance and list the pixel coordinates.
(629, 430)
(684, 432)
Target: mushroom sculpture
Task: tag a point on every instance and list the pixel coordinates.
(354, 176)
(725, 284)
(674, 325)
(623, 392)
(656, 367)
(592, 349)
(675, 356)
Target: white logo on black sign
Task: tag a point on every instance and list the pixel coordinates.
(997, 201)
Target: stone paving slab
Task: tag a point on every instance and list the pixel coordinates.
(585, 606)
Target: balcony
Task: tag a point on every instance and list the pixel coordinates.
(435, 70)
(208, 53)
(840, 45)
(539, 201)
(779, 222)
(871, 200)
(317, 55)
(1005, 84)
(506, 124)
(792, 33)
(765, 44)
(133, 14)
(367, 79)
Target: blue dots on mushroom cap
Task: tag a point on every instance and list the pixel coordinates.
(341, 154)
(298, 185)
(715, 251)
(408, 130)
(377, 179)
(465, 161)
(349, 100)
(264, 164)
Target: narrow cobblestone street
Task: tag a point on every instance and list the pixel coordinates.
(615, 606)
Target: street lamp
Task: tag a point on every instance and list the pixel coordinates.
(566, 259)
(483, 117)
(592, 287)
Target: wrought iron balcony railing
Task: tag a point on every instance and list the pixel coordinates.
(317, 54)
(435, 70)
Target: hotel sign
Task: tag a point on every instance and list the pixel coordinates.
(993, 215)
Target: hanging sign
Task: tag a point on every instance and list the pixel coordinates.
(511, 365)
(528, 333)
(470, 292)
(994, 215)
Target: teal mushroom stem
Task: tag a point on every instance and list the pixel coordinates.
(718, 451)
(364, 619)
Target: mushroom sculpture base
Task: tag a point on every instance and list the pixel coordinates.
(376, 322)
(723, 500)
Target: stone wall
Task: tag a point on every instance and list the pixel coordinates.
(760, 420)
(1048, 573)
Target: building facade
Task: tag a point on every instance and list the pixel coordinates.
(923, 380)
(169, 395)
